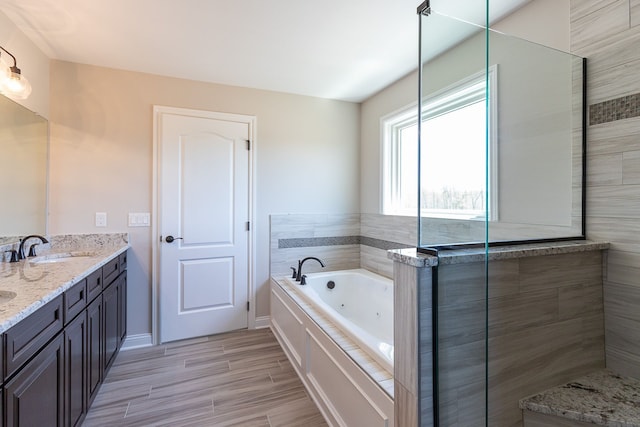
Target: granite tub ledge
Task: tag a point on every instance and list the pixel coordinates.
(35, 284)
(460, 256)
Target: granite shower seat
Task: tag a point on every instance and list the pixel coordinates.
(600, 398)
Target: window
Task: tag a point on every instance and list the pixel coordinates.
(453, 154)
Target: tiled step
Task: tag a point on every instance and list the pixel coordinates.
(600, 398)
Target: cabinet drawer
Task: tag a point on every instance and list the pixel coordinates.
(28, 336)
(75, 300)
(110, 271)
(123, 261)
(94, 285)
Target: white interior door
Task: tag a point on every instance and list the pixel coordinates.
(204, 213)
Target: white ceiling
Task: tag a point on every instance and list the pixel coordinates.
(339, 49)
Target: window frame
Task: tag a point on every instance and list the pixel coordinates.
(480, 86)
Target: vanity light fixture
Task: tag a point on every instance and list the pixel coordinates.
(13, 83)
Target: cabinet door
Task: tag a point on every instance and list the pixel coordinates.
(122, 306)
(76, 371)
(35, 396)
(111, 334)
(94, 348)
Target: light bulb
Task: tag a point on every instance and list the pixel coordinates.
(5, 73)
(16, 85)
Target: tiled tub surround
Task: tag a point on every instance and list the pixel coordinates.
(601, 398)
(309, 231)
(347, 241)
(37, 284)
(546, 326)
(342, 241)
(348, 386)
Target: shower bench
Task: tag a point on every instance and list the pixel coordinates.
(600, 398)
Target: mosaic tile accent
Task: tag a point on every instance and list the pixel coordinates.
(625, 107)
(382, 244)
(308, 242)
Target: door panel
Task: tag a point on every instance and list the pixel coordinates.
(207, 169)
(207, 284)
(204, 204)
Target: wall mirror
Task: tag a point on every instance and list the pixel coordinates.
(23, 171)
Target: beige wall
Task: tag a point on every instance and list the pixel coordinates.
(101, 158)
(545, 22)
(32, 62)
(608, 34)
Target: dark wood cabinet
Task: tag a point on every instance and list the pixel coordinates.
(94, 285)
(94, 348)
(34, 397)
(111, 333)
(122, 307)
(75, 300)
(28, 336)
(55, 360)
(110, 271)
(75, 374)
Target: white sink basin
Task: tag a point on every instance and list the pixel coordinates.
(61, 257)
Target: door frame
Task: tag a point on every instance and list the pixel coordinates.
(156, 222)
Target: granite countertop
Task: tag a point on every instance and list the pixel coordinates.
(35, 284)
(459, 256)
(601, 398)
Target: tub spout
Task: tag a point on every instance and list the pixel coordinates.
(300, 263)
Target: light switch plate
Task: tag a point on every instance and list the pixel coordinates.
(139, 219)
(101, 219)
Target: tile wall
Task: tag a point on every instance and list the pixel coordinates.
(342, 241)
(607, 33)
(545, 327)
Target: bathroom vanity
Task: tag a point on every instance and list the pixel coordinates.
(63, 320)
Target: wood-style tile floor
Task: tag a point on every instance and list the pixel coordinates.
(239, 378)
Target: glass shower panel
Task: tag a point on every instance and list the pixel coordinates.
(536, 167)
(453, 208)
(502, 138)
(452, 193)
(500, 161)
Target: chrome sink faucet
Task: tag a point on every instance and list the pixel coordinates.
(300, 263)
(32, 251)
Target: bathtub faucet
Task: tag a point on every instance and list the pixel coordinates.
(299, 275)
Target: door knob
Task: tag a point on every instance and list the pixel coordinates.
(170, 239)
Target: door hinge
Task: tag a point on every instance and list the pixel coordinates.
(248, 226)
(247, 305)
(248, 145)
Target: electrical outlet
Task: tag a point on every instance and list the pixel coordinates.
(101, 219)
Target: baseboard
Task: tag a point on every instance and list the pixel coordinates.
(137, 341)
(263, 322)
(145, 340)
